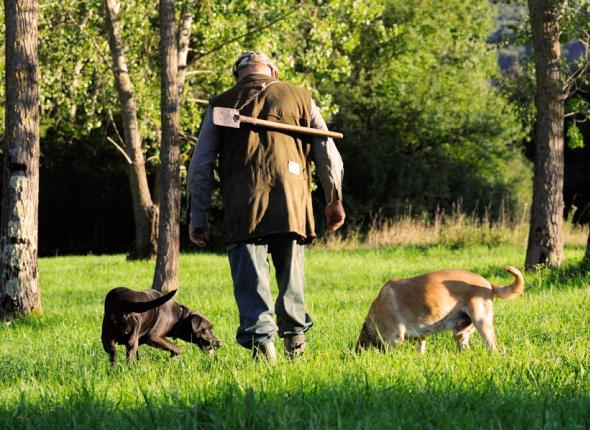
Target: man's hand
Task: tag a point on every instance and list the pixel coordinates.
(335, 215)
(198, 235)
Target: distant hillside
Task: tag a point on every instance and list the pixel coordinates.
(510, 53)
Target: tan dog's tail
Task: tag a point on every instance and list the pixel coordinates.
(511, 291)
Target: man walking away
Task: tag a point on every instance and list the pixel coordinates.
(265, 178)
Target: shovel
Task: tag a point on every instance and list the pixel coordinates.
(227, 117)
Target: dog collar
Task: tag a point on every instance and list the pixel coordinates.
(184, 312)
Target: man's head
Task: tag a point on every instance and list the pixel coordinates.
(254, 62)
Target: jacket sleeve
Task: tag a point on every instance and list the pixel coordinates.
(326, 157)
(200, 173)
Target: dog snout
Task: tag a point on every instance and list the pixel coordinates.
(208, 343)
(212, 340)
(210, 348)
(214, 343)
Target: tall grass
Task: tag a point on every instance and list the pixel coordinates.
(454, 229)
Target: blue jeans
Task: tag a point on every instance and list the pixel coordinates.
(250, 271)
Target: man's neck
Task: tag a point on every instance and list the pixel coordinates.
(253, 76)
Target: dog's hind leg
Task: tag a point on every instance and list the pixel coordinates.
(132, 350)
(486, 329)
(133, 341)
(482, 315)
(159, 342)
(462, 336)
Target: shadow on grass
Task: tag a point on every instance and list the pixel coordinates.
(354, 405)
(40, 324)
(33, 322)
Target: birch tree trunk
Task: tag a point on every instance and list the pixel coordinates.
(144, 210)
(184, 36)
(545, 243)
(166, 274)
(586, 260)
(19, 275)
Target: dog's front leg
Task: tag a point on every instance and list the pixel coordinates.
(109, 347)
(160, 342)
(420, 343)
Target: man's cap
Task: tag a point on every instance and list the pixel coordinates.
(252, 57)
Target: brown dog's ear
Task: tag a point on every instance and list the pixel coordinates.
(198, 323)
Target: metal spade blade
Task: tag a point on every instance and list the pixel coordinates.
(226, 117)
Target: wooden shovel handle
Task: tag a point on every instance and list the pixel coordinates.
(287, 127)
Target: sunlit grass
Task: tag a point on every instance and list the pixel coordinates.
(54, 373)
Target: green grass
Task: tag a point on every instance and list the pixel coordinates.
(54, 373)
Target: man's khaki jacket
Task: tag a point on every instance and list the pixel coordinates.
(265, 174)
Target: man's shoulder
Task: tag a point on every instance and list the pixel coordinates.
(286, 91)
(291, 87)
(218, 99)
(280, 88)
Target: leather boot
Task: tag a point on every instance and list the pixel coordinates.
(264, 351)
(295, 345)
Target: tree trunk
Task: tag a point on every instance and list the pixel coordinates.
(586, 260)
(144, 211)
(19, 275)
(545, 244)
(184, 36)
(166, 274)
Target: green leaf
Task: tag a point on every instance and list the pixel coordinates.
(574, 136)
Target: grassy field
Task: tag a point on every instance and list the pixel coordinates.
(54, 373)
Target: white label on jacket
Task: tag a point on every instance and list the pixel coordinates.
(294, 167)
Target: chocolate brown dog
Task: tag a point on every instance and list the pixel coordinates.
(447, 300)
(132, 318)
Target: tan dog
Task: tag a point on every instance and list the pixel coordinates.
(447, 300)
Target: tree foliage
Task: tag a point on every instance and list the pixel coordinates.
(411, 84)
(424, 122)
(574, 19)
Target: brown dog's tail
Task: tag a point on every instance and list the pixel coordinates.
(511, 291)
(129, 306)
